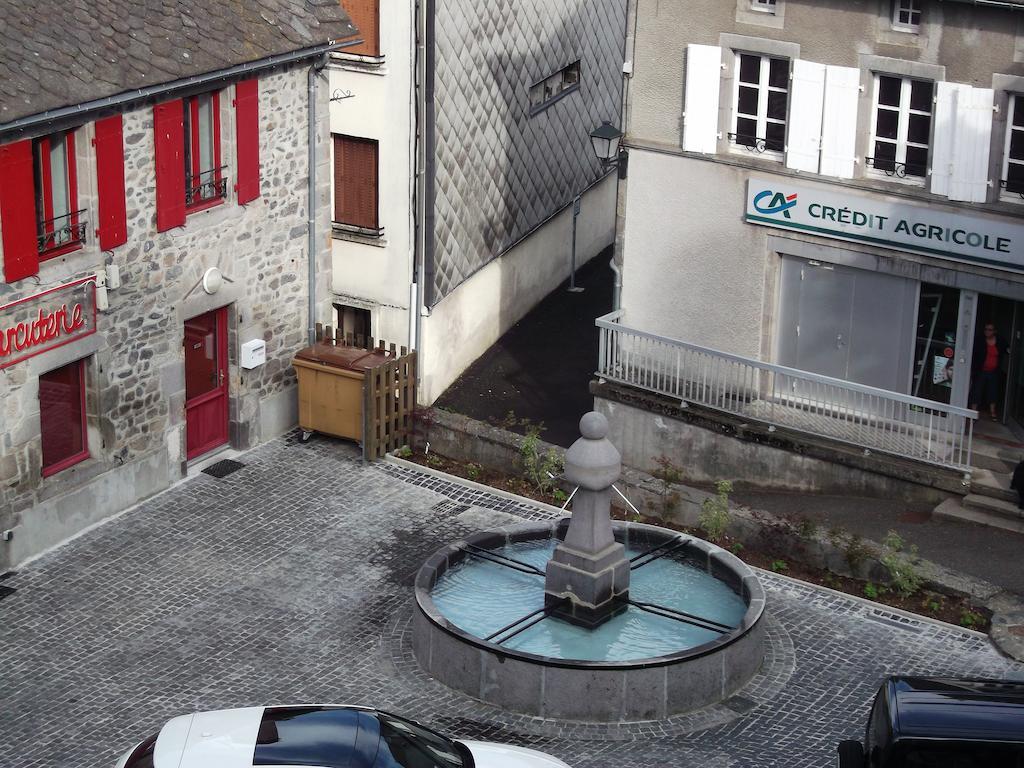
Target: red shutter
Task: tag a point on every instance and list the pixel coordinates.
(365, 14)
(112, 225)
(18, 211)
(169, 137)
(247, 128)
(355, 181)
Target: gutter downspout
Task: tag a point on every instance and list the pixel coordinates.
(314, 70)
(617, 291)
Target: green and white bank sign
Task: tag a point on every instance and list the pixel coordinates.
(864, 218)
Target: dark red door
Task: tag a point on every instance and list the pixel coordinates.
(206, 382)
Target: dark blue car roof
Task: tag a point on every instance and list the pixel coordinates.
(957, 709)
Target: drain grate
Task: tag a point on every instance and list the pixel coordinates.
(223, 468)
(5, 591)
(895, 620)
(449, 508)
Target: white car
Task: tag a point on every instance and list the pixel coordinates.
(317, 737)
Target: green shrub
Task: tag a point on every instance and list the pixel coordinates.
(714, 512)
(901, 564)
(538, 467)
(778, 566)
(871, 591)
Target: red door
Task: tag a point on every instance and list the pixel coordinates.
(206, 382)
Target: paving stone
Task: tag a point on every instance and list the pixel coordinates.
(290, 581)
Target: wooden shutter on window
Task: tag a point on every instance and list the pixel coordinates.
(805, 109)
(703, 81)
(355, 182)
(944, 128)
(18, 211)
(169, 137)
(365, 14)
(111, 224)
(247, 134)
(969, 179)
(839, 122)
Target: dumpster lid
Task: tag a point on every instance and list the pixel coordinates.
(349, 358)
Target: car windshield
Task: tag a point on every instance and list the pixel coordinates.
(404, 744)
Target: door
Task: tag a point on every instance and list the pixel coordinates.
(206, 382)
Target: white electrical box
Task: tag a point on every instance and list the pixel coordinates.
(254, 354)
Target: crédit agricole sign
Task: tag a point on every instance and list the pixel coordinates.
(863, 218)
(47, 320)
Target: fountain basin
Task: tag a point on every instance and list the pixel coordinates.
(704, 668)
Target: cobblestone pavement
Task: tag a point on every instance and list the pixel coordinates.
(289, 581)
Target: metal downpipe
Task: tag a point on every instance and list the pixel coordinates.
(315, 68)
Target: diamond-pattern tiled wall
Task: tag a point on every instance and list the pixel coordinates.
(498, 171)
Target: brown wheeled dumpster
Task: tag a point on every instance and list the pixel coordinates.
(331, 380)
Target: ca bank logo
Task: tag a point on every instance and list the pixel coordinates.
(779, 203)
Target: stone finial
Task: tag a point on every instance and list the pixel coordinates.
(592, 462)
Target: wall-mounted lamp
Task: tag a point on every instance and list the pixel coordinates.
(605, 140)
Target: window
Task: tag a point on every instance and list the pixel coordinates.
(355, 185)
(763, 5)
(761, 102)
(205, 184)
(546, 92)
(365, 14)
(1013, 157)
(902, 128)
(353, 321)
(60, 227)
(906, 15)
(62, 417)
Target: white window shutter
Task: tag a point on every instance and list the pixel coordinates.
(969, 181)
(839, 122)
(944, 134)
(703, 83)
(807, 95)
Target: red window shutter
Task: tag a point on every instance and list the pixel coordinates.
(112, 224)
(355, 181)
(169, 137)
(18, 211)
(247, 134)
(365, 14)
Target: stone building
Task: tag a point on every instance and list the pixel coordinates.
(455, 177)
(156, 237)
(822, 217)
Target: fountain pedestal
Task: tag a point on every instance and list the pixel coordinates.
(587, 579)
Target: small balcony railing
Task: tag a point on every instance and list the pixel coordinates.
(896, 169)
(855, 414)
(61, 231)
(206, 186)
(750, 143)
(1014, 187)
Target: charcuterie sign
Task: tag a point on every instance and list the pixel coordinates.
(48, 320)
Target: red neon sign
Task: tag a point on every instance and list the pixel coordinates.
(48, 320)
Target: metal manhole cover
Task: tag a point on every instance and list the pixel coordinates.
(223, 468)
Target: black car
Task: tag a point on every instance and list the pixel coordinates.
(941, 723)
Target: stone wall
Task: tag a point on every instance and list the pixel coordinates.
(135, 371)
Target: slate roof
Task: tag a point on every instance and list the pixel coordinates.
(57, 53)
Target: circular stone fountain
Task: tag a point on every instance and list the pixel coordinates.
(585, 619)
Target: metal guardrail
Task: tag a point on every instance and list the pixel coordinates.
(867, 417)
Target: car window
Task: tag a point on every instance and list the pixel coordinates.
(404, 744)
(878, 729)
(332, 737)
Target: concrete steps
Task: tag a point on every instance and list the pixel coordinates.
(983, 510)
(985, 482)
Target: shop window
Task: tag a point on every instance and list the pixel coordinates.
(353, 321)
(760, 104)
(1013, 157)
(906, 15)
(549, 90)
(60, 226)
(767, 6)
(205, 182)
(355, 186)
(62, 417)
(901, 131)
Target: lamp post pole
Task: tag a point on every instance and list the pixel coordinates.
(573, 288)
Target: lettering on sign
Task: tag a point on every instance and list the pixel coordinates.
(866, 218)
(48, 320)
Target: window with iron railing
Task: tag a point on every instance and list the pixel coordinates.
(1012, 182)
(760, 104)
(901, 131)
(60, 225)
(206, 179)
